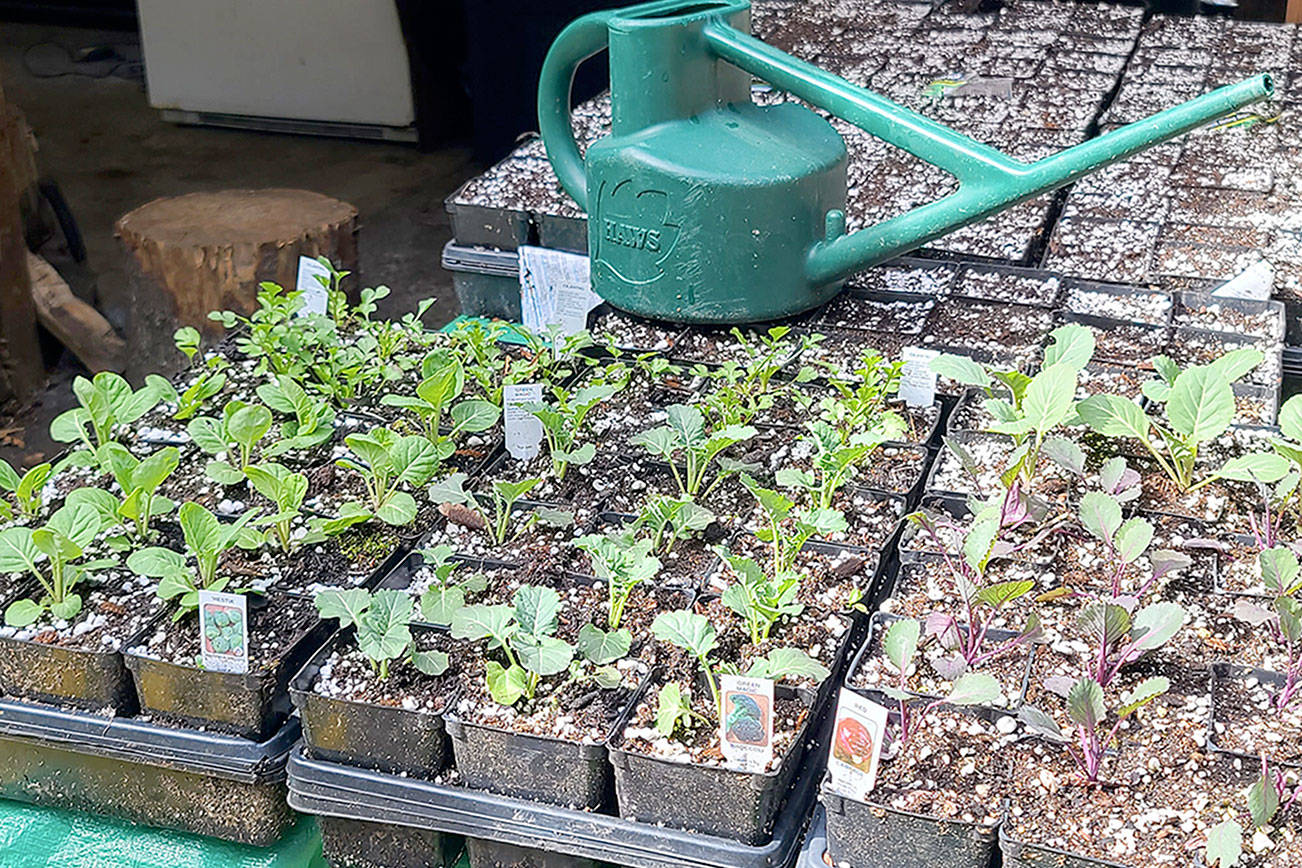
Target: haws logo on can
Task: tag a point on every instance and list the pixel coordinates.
(635, 234)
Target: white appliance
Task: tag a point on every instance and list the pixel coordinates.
(326, 67)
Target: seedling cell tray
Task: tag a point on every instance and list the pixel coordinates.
(72, 676)
(333, 790)
(389, 738)
(483, 853)
(359, 844)
(1021, 855)
(147, 773)
(487, 281)
(485, 226)
(562, 231)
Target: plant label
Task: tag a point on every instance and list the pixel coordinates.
(555, 290)
(524, 431)
(856, 746)
(315, 295)
(746, 722)
(224, 631)
(1255, 282)
(917, 379)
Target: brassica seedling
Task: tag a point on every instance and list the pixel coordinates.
(286, 489)
(206, 539)
(62, 540)
(444, 596)
(241, 426)
(837, 456)
(760, 599)
(443, 379)
(140, 480)
(26, 490)
(789, 528)
(106, 403)
(1283, 618)
(686, 439)
(623, 562)
(493, 513)
(562, 423)
(670, 519)
(900, 643)
(313, 419)
(1124, 542)
(387, 462)
(383, 628)
(1199, 407)
(1119, 639)
(1087, 710)
(1267, 798)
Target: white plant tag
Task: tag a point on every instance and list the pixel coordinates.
(224, 631)
(555, 289)
(524, 431)
(315, 297)
(856, 746)
(746, 725)
(1254, 282)
(996, 86)
(917, 379)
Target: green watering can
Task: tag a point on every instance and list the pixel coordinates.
(705, 208)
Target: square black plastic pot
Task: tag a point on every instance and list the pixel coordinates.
(362, 844)
(1017, 854)
(250, 705)
(876, 836)
(71, 676)
(1232, 672)
(483, 853)
(706, 799)
(383, 737)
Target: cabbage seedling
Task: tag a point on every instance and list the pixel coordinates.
(62, 540)
(670, 519)
(106, 403)
(383, 628)
(686, 439)
(387, 461)
(562, 423)
(623, 562)
(25, 491)
(241, 426)
(1283, 618)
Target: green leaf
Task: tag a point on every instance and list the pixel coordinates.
(537, 610)
(1224, 844)
(1072, 346)
(382, 631)
(22, 612)
(152, 471)
(1000, 594)
(1066, 454)
(506, 686)
(79, 522)
(67, 608)
(1085, 704)
(473, 416)
(9, 478)
(1201, 404)
(1279, 568)
(207, 433)
(97, 498)
(977, 544)
(156, 562)
(1049, 397)
(1155, 624)
(1133, 539)
(961, 369)
(18, 552)
(440, 603)
(1144, 693)
(346, 605)
(1263, 801)
(414, 460)
(495, 623)
(1255, 467)
(1100, 515)
(601, 647)
(202, 531)
(973, 688)
(430, 662)
(1236, 363)
(223, 473)
(670, 706)
(1040, 723)
(398, 510)
(1114, 416)
(789, 664)
(69, 426)
(687, 630)
(249, 424)
(1290, 418)
(901, 642)
(542, 655)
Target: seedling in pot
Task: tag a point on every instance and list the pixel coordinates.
(494, 514)
(25, 492)
(623, 562)
(789, 528)
(1028, 408)
(1199, 407)
(670, 519)
(1286, 496)
(861, 399)
(241, 426)
(759, 598)
(387, 461)
(1124, 543)
(383, 628)
(106, 404)
(1088, 712)
(62, 541)
(286, 489)
(836, 456)
(691, 448)
(525, 634)
(743, 390)
(1267, 798)
(207, 385)
(901, 646)
(695, 634)
(1120, 639)
(1282, 619)
(206, 539)
(444, 596)
(562, 423)
(443, 380)
(313, 419)
(140, 480)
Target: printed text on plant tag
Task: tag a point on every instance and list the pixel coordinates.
(917, 379)
(746, 722)
(315, 295)
(524, 430)
(224, 631)
(856, 745)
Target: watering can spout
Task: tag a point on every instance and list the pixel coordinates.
(698, 198)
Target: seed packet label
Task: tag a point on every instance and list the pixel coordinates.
(993, 86)
(524, 431)
(555, 290)
(856, 746)
(315, 296)
(917, 379)
(746, 727)
(224, 631)
(1255, 282)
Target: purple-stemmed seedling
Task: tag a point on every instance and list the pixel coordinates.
(1283, 619)
(901, 645)
(1124, 543)
(1119, 639)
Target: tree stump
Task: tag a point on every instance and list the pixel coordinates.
(22, 371)
(188, 255)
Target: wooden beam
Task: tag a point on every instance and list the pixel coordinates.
(22, 372)
(77, 325)
(1293, 11)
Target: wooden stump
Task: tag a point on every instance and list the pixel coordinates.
(188, 255)
(22, 371)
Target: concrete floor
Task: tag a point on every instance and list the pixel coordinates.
(110, 152)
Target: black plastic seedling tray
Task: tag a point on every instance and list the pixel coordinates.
(144, 772)
(73, 676)
(332, 790)
(360, 844)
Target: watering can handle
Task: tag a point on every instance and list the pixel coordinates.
(581, 39)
